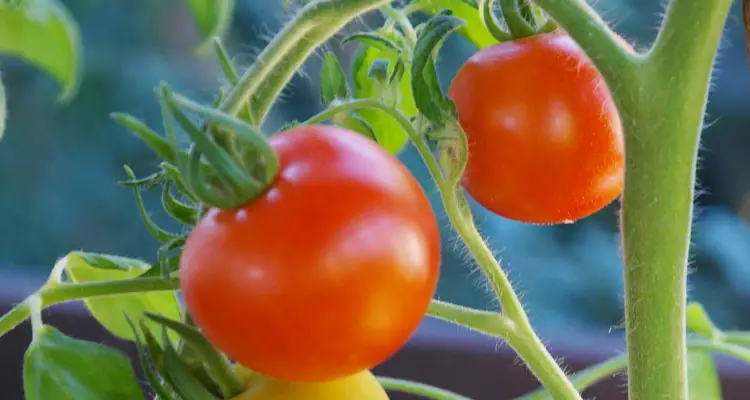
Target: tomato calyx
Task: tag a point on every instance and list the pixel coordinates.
(242, 162)
(522, 18)
(192, 367)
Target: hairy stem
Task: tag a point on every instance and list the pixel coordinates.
(65, 292)
(661, 97)
(279, 61)
(519, 335)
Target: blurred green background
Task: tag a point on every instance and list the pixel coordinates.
(59, 165)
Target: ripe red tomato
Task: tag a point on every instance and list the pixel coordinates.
(326, 274)
(545, 138)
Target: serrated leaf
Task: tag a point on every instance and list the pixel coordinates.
(110, 311)
(703, 379)
(428, 95)
(474, 30)
(378, 41)
(388, 133)
(58, 367)
(43, 33)
(333, 84)
(212, 17)
(2, 108)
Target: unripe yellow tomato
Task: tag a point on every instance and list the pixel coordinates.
(360, 386)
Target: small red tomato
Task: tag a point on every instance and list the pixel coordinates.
(326, 274)
(545, 138)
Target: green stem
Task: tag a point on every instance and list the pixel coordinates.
(587, 377)
(596, 373)
(522, 337)
(61, 293)
(517, 25)
(740, 338)
(486, 322)
(601, 44)
(661, 97)
(419, 389)
(313, 25)
(487, 16)
(400, 17)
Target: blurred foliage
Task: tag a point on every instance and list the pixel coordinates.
(59, 165)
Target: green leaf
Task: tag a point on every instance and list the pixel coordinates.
(379, 71)
(353, 122)
(474, 30)
(388, 133)
(110, 311)
(378, 41)
(699, 322)
(58, 367)
(703, 379)
(43, 33)
(333, 84)
(428, 95)
(213, 18)
(398, 72)
(2, 108)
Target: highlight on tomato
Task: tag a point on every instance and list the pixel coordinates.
(328, 272)
(360, 386)
(545, 138)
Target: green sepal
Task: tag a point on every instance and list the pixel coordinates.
(157, 232)
(182, 212)
(217, 365)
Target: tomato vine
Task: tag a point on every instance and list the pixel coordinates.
(231, 168)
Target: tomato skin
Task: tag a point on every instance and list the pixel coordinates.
(545, 137)
(328, 273)
(360, 386)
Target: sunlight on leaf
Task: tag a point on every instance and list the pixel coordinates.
(212, 17)
(474, 30)
(388, 132)
(43, 33)
(110, 311)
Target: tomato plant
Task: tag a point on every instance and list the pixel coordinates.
(545, 138)
(328, 272)
(311, 256)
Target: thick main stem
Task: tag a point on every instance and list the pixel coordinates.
(662, 135)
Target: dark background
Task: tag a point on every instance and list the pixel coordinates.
(59, 166)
